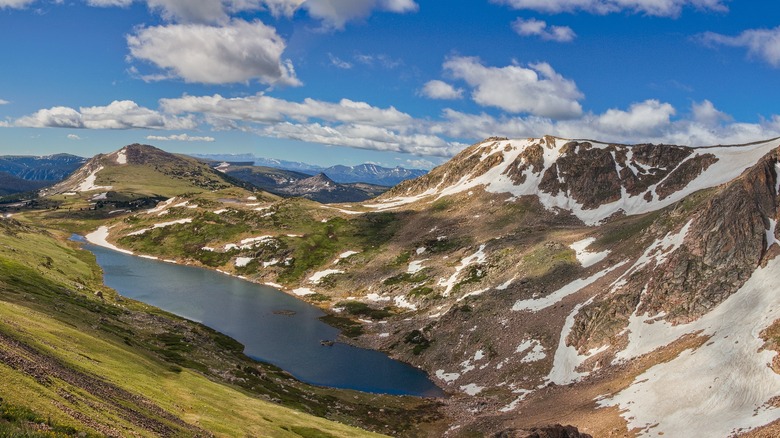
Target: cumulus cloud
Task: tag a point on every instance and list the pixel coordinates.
(436, 89)
(4, 102)
(73, 137)
(534, 27)
(760, 43)
(336, 13)
(124, 114)
(179, 137)
(537, 90)
(659, 8)
(704, 112)
(613, 126)
(238, 52)
(642, 118)
(15, 4)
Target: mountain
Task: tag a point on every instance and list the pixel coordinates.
(363, 173)
(371, 173)
(10, 184)
(613, 287)
(51, 168)
(142, 171)
(288, 183)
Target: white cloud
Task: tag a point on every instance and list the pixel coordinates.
(534, 27)
(382, 60)
(420, 164)
(436, 89)
(705, 113)
(364, 137)
(110, 3)
(283, 7)
(537, 90)
(338, 62)
(124, 114)
(4, 102)
(238, 52)
(336, 13)
(660, 8)
(179, 137)
(73, 137)
(761, 43)
(15, 4)
(644, 122)
(266, 109)
(642, 118)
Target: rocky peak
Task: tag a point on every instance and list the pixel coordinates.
(592, 180)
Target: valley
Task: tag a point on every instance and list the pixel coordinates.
(625, 290)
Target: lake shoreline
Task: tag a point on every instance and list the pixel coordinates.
(99, 238)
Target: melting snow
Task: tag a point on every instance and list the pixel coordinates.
(770, 234)
(447, 377)
(243, 261)
(89, 182)
(505, 285)
(161, 206)
(402, 302)
(99, 236)
(160, 225)
(535, 305)
(318, 276)
(472, 389)
(718, 388)
(567, 359)
(121, 156)
(585, 257)
(477, 257)
(533, 350)
(341, 256)
(303, 291)
(415, 266)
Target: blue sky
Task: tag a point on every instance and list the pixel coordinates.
(394, 82)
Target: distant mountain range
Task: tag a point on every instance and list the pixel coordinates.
(23, 173)
(363, 173)
(290, 183)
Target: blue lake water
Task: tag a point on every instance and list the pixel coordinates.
(250, 313)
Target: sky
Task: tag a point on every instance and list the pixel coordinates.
(393, 82)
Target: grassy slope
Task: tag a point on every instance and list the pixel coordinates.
(50, 314)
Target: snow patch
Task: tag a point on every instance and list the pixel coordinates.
(161, 225)
(121, 156)
(719, 388)
(243, 261)
(318, 276)
(472, 389)
(533, 349)
(99, 236)
(415, 266)
(403, 303)
(585, 257)
(89, 182)
(535, 305)
(447, 377)
(302, 291)
(477, 257)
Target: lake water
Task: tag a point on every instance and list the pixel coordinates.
(261, 318)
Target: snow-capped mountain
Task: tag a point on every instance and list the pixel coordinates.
(362, 173)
